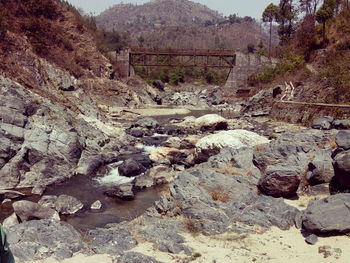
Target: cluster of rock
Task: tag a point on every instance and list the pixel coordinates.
(328, 122)
(220, 181)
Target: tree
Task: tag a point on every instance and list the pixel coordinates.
(287, 16)
(270, 14)
(325, 13)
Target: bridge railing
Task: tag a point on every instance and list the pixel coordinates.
(182, 52)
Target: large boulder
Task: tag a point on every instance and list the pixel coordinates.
(68, 205)
(328, 215)
(280, 180)
(166, 155)
(123, 191)
(27, 210)
(211, 144)
(211, 122)
(343, 140)
(39, 239)
(323, 123)
(131, 168)
(342, 169)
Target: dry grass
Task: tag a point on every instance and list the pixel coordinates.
(219, 194)
(193, 226)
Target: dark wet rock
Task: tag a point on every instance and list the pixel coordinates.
(328, 215)
(134, 257)
(323, 123)
(123, 191)
(111, 241)
(341, 124)
(280, 180)
(131, 168)
(68, 205)
(148, 123)
(40, 239)
(27, 210)
(343, 140)
(138, 133)
(253, 209)
(342, 169)
(311, 239)
(321, 168)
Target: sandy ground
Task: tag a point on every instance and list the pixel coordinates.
(272, 246)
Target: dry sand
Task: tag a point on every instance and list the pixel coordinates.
(272, 246)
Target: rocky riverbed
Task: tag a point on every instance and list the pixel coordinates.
(204, 188)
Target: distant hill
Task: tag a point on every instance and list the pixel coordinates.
(155, 14)
(180, 24)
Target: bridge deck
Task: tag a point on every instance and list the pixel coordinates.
(182, 52)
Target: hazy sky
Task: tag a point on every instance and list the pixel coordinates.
(252, 8)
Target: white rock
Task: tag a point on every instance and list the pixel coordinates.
(97, 205)
(232, 138)
(210, 120)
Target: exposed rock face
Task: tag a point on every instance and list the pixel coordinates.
(166, 155)
(112, 242)
(134, 257)
(68, 205)
(341, 124)
(342, 169)
(40, 239)
(27, 210)
(331, 214)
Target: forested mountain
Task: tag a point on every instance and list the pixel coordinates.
(180, 24)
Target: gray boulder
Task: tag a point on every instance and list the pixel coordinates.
(27, 210)
(134, 257)
(113, 242)
(123, 191)
(323, 123)
(68, 205)
(342, 169)
(328, 215)
(280, 180)
(321, 169)
(39, 239)
(343, 140)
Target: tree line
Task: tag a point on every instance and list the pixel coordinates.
(289, 14)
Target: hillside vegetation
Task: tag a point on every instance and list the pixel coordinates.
(315, 54)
